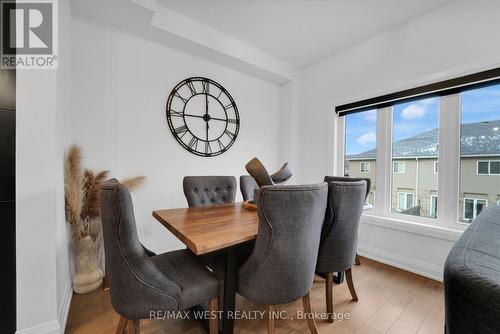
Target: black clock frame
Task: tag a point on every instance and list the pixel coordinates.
(174, 93)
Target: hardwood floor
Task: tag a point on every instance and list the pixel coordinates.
(390, 301)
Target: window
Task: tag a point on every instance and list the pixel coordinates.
(451, 126)
(399, 167)
(488, 168)
(405, 201)
(479, 150)
(414, 157)
(433, 207)
(473, 207)
(361, 147)
(364, 167)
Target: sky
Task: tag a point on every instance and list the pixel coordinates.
(412, 118)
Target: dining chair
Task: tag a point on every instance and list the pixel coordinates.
(339, 237)
(209, 190)
(352, 179)
(280, 269)
(247, 186)
(141, 284)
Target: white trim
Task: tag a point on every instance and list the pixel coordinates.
(429, 270)
(402, 163)
(54, 326)
(449, 161)
(489, 167)
(50, 327)
(474, 209)
(425, 229)
(63, 312)
(436, 166)
(383, 165)
(366, 163)
(339, 151)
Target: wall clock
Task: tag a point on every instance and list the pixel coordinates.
(203, 116)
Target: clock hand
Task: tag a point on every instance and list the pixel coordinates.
(206, 113)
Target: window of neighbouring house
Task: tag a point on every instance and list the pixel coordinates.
(414, 157)
(399, 167)
(488, 167)
(435, 167)
(405, 201)
(479, 150)
(364, 167)
(433, 206)
(360, 147)
(473, 207)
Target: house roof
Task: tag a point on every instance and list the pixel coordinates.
(478, 139)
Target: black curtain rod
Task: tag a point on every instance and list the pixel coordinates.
(447, 87)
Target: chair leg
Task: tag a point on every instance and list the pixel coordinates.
(350, 284)
(134, 326)
(121, 326)
(306, 302)
(329, 296)
(270, 319)
(214, 320)
(358, 260)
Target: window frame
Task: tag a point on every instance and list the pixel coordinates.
(431, 204)
(489, 167)
(448, 215)
(361, 163)
(474, 208)
(403, 163)
(405, 200)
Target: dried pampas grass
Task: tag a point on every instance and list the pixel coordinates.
(73, 192)
(133, 183)
(81, 194)
(91, 193)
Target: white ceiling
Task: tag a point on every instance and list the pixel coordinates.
(302, 32)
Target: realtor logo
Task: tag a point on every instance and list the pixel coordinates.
(29, 34)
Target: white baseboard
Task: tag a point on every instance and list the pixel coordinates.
(55, 326)
(429, 270)
(51, 327)
(63, 310)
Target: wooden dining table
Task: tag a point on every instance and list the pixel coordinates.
(216, 228)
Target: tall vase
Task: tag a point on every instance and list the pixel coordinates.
(88, 275)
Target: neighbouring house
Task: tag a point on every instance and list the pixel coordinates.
(415, 171)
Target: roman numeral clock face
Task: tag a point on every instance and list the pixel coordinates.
(203, 116)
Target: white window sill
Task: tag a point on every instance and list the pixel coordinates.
(439, 232)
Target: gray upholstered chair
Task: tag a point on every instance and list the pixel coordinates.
(140, 284)
(247, 187)
(339, 237)
(209, 190)
(352, 179)
(281, 267)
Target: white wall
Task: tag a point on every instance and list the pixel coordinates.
(455, 39)
(36, 201)
(43, 262)
(120, 84)
(64, 260)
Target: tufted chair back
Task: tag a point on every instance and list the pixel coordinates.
(132, 274)
(339, 239)
(247, 186)
(329, 179)
(281, 267)
(209, 190)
